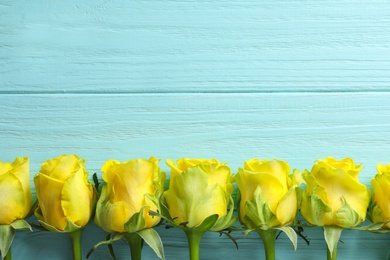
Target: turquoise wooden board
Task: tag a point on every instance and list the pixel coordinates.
(194, 46)
(293, 80)
(298, 128)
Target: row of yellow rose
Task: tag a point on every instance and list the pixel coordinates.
(199, 199)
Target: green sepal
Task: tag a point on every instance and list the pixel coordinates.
(7, 233)
(21, 224)
(227, 220)
(346, 216)
(371, 207)
(257, 213)
(33, 209)
(164, 212)
(315, 208)
(70, 227)
(291, 234)
(207, 223)
(237, 203)
(151, 237)
(136, 222)
(115, 237)
(247, 231)
(332, 236)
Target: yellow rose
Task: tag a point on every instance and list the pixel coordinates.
(132, 187)
(15, 194)
(380, 202)
(198, 189)
(268, 195)
(65, 196)
(333, 195)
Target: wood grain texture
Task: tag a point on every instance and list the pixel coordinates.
(294, 80)
(295, 127)
(298, 128)
(194, 46)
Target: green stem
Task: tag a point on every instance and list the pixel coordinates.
(135, 243)
(194, 237)
(331, 256)
(268, 236)
(76, 243)
(8, 256)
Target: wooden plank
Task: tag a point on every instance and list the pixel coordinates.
(194, 46)
(356, 245)
(296, 127)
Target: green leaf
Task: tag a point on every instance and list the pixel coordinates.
(136, 222)
(291, 234)
(375, 227)
(332, 236)
(7, 234)
(21, 224)
(151, 237)
(115, 237)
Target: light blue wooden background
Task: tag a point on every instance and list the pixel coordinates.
(295, 80)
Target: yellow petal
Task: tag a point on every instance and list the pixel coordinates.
(330, 163)
(21, 169)
(277, 168)
(76, 199)
(109, 169)
(185, 163)
(5, 167)
(287, 208)
(174, 169)
(381, 196)
(111, 216)
(337, 184)
(60, 168)
(12, 199)
(217, 174)
(383, 168)
(137, 180)
(49, 197)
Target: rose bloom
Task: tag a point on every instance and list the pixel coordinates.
(380, 201)
(65, 196)
(333, 195)
(268, 195)
(15, 194)
(199, 188)
(134, 186)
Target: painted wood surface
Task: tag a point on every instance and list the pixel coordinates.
(194, 46)
(293, 80)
